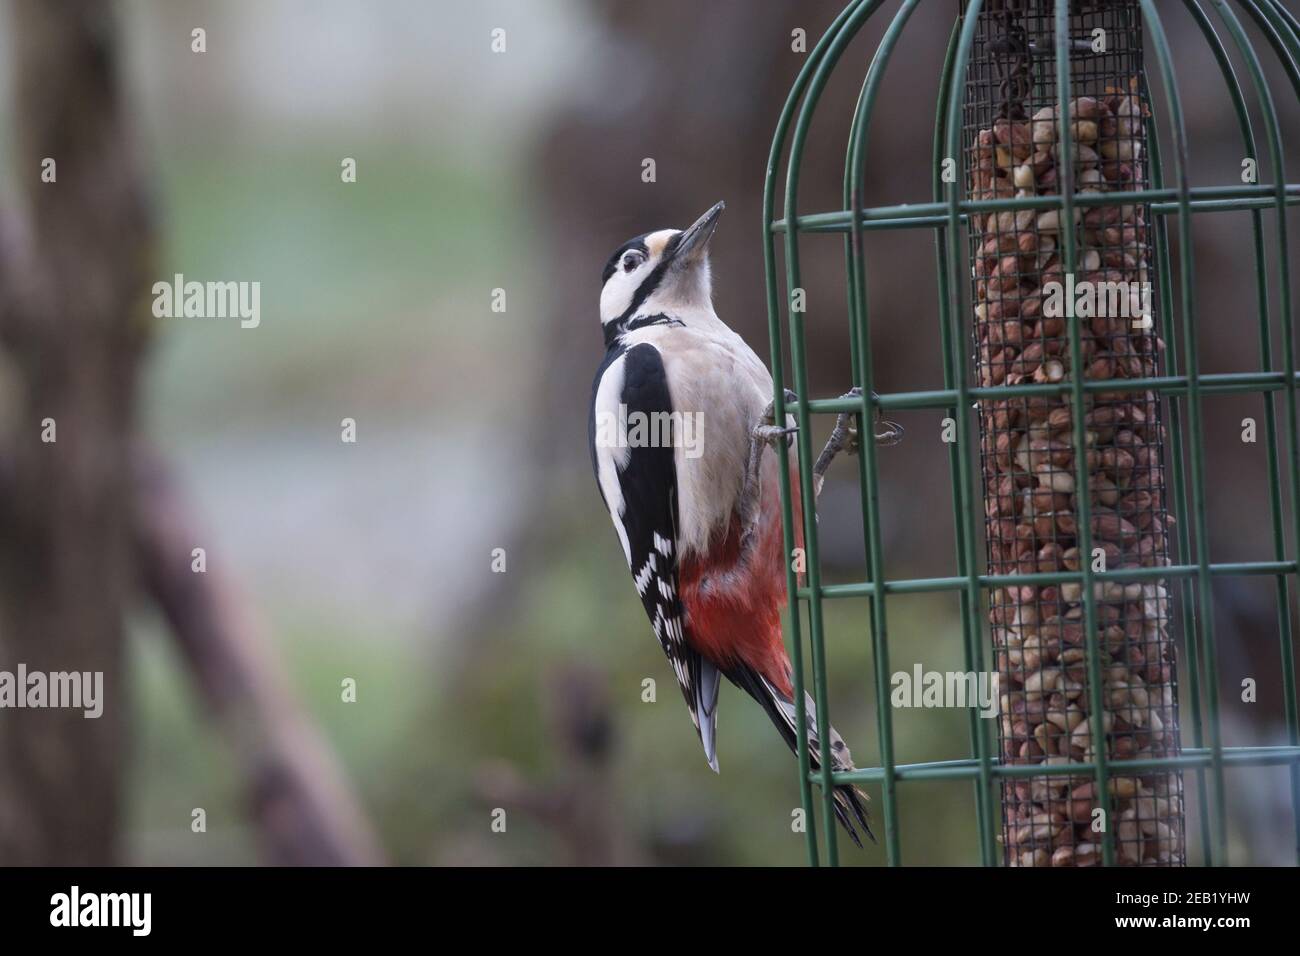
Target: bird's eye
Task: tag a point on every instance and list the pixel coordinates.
(631, 261)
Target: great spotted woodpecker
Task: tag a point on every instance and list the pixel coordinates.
(680, 426)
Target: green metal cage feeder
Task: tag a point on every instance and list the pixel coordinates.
(1057, 420)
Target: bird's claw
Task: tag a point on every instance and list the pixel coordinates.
(885, 431)
(771, 434)
(888, 432)
(767, 431)
(844, 436)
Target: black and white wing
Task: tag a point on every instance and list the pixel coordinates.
(639, 486)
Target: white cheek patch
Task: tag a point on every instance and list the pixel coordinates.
(619, 291)
(617, 294)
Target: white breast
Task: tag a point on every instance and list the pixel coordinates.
(712, 373)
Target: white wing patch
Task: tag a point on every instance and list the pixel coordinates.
(643, 576)
(610, 459)
(663, 546)
(643, 505)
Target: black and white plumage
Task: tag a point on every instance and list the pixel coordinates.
(643, 486)
(696, 508)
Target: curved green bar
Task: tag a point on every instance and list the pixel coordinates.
(1187, 288)
(1278, 159)
(953, 319)
(845, 33)
(854, 182)
(1248, 142)
(778, 381)
(972, 629)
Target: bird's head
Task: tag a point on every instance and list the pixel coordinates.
(665, 271)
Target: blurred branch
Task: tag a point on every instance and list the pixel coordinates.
(297, 794)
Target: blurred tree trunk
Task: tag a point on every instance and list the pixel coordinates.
(72, 325)
(89, 518)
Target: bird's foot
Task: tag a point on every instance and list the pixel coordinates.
(764, 432)
(844, 436)
(767, 432)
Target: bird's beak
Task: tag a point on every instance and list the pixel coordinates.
(695, 240)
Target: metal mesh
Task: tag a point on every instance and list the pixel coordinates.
(1023, 296)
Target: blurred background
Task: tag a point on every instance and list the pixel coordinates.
(373, 561)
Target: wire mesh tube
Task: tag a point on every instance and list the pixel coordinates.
(1035, 271)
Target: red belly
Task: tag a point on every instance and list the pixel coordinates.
(733, 609)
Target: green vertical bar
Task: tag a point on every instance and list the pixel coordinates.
(869, 485)
(1164, 270)
(847, 30)
(971, 639)
(816, 635)
(1187, 288)
(778, 381)
(953, 319)
(1278, 158)
(1069, 238)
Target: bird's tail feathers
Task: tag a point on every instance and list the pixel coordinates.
(850, 802)
(705, 709)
